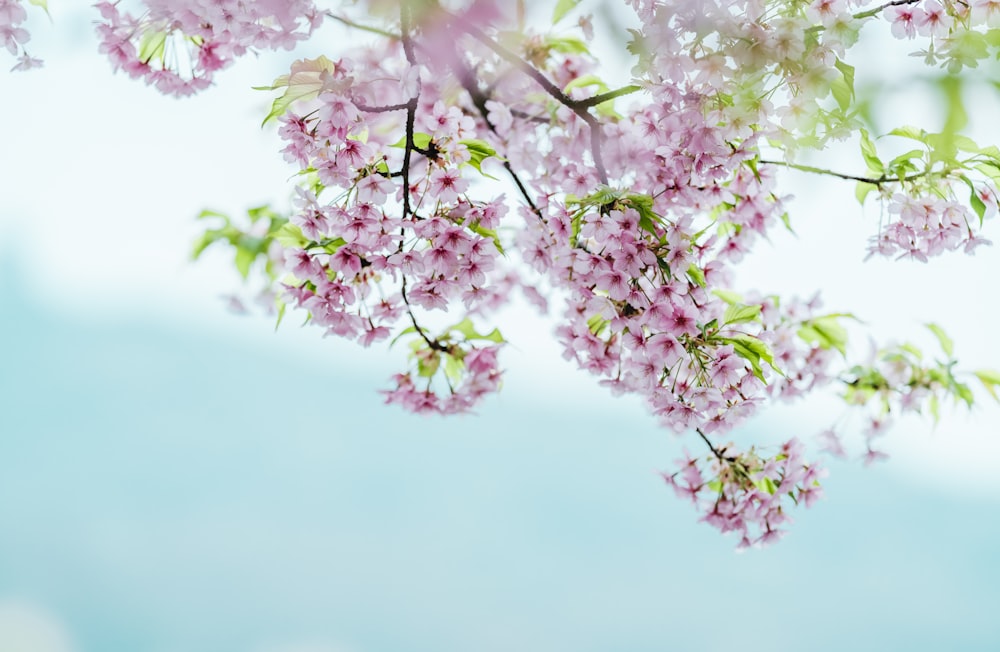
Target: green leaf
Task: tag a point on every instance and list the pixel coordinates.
(427, 365)
(913, 133)
(868, 151)
(307, 79)
(152, 46)
(587, 80)
(905, 159)
(732, 298)
(974, 200)
(739, 314)
(843, 86)
(696, 274)
(946, 343)
(204, 242)
(955, 116)
(466, 328)
(567, 45)
(563, 7)
(487, 233)
(847, 72)
(862, 190)
(420, 139)
(479, 150)
(766, 484)
(263, 212)
(405, 331)
(990, 379)
(244, 259)
(289, 236)
(963, 392)
(453, 367)
(648, 219)
(210, 213)
(826, 332)
(753, 351)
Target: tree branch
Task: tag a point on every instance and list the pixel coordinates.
(479, 99)
(579, 107)
(411, 113)
(880, 181)
(715, 451)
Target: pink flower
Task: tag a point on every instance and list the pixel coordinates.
(447, 184)
(904, 19)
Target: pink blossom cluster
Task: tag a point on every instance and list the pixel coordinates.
(480, 376)
(178, 45)
(13, 36)
(927, 226)
(744, 492)
(635, 222)
(926, 18)
(633, 207)
(372, 257)
(806, 365)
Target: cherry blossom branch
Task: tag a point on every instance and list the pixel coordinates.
(365, 28)
(411, 114)
(479, 99)
(715, 451)
(880, 181)
(610, 95)
(432, 343)
(381, 109)
(579, 107)
(874, 12)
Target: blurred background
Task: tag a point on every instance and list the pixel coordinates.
(174, 477)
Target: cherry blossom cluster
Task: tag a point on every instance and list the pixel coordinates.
(927, 226)
(13, 36)
(634, 215)
(467, 155)
(746, 493)
(898, 380)
(385, 228)
(178, 45)
(956, 30)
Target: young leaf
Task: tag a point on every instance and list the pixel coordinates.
(946, 343)
(739, 314)
(862, 190)
(875, 165)
(308, 78)
(732, 298)
(466, 328)
(563, 7)
(990, 379)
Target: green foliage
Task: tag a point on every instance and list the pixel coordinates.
(479, 151)
(562, 8)
(751, 349)
(308, 78)
(826, 332)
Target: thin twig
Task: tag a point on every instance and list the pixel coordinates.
(879, 181)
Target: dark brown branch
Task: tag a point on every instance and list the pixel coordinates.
(411, 112)
(579, 107)
(432, 343)
(479, 99)
(715, 451)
